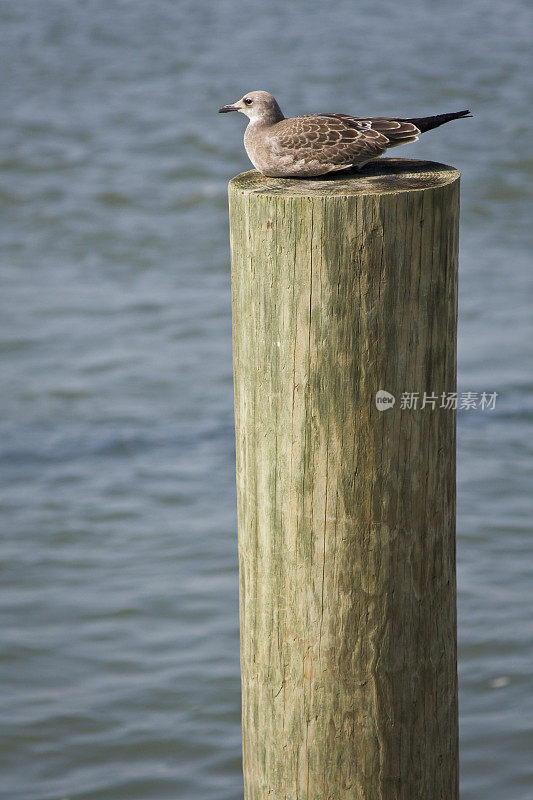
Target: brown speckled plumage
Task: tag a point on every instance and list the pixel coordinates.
(315, 144)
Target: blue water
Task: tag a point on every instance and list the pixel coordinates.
(119, 658)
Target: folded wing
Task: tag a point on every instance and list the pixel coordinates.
(331, 141)
(397, 131)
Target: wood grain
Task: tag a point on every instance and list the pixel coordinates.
(342, 287)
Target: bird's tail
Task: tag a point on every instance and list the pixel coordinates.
(427, 123)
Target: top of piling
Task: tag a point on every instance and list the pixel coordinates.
(384, 176)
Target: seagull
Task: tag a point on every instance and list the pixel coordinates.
(315, 144)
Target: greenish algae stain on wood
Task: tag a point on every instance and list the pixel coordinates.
(342, 287)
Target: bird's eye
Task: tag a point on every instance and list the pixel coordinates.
(248, 101)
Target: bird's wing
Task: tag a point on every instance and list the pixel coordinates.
(397, 131)
(333, 141)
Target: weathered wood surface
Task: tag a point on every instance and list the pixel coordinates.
(342, 287)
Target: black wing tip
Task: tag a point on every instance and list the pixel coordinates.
(428, 123)
(454, 115)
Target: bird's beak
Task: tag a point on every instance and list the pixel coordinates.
(225, 109)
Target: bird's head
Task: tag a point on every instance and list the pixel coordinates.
(258, 106)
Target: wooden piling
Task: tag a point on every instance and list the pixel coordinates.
(342, 287)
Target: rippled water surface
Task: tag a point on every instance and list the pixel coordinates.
(119, 658)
